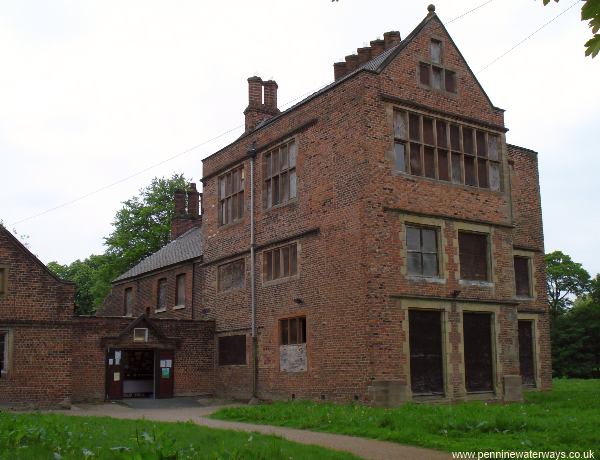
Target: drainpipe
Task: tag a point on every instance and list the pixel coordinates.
(252, 155)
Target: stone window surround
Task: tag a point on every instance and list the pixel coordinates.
(276, 340)
(291, 199)
(428, 59)
(233, 196)
(532, 284)
(4, 276)
(448, 119)
(281, 279)
(534, 318)
(8, 337)
(427, 222)
(488, 230)
(445, 307)
(231, 289)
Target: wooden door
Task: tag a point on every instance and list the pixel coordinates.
(164, 378)
(526, 352)
(478, 350)
(426, 362)
(114, 374)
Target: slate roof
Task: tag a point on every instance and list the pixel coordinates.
(187, 247)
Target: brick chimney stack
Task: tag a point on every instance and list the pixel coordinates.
(365, 54)
(260, 107)
(186, 216)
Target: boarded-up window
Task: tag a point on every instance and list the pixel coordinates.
(424, 74)
(478, 352)
(422, 252)
(231, 275)
(473, 252)
(421, 149)
(293, 330)
(231, 196)
(450, 81)
(232, 350)
(526, 352)
(279, 169)
(522, 282)
(280, 262)
(3, 350)
(128, 301)
(426, 365)
(180, 290)
(161, 295)
(3, 280)
(436, 77)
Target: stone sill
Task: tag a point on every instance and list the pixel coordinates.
(178, 307)
(485, 284)
(426, 279)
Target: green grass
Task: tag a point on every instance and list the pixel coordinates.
(565, 419)
(55, 437)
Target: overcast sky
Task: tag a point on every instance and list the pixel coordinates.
(92, 92)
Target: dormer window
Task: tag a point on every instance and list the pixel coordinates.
(433, 74)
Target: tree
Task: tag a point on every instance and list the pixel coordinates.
(141, 227)
(590, 11)
(576, 341)
(565, 280)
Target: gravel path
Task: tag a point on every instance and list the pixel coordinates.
(361, 447)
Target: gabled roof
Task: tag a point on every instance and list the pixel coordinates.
(32, 256)
(375, 65)
(187, 247)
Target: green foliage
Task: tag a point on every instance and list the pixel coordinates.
(58, 437)
(590, 11)
(141, 227)
(565, 279)
(576, 341)
(565, 419)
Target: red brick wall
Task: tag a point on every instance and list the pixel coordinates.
(193, 362)
(145, 290)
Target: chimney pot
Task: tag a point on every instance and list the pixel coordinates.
(364, 55)
(351, 62)
(377, 47)
(339, 70)
(391, 39)
(270, 87)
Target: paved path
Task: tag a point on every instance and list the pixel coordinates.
(361, 447)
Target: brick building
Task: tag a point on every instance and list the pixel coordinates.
(378, 241)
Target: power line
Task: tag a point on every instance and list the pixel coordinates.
(470, 11)
(155, 165)
(528, 36)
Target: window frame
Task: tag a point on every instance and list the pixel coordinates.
(301, 330)
(245, 353)
(160, 284)
(3, 280)
(6, 335)
(437, 253)
(447, 140)
(488, 255)
(128, 301)
(292, 248)
(231, 287)
(270, 177)
(530, 274)
(232, 196)
(178, 304)
(137, 338)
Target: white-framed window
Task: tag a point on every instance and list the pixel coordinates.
(140, 334)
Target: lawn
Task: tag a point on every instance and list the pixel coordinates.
(55, 437)
(565, 419)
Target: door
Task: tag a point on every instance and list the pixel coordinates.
(114, 374)
(164, 379)
(526, 352)
(426, 364)
(479, 359)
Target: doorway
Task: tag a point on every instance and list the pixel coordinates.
(139, 373)
(526, 353)
(478, 352)
(426, 351)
